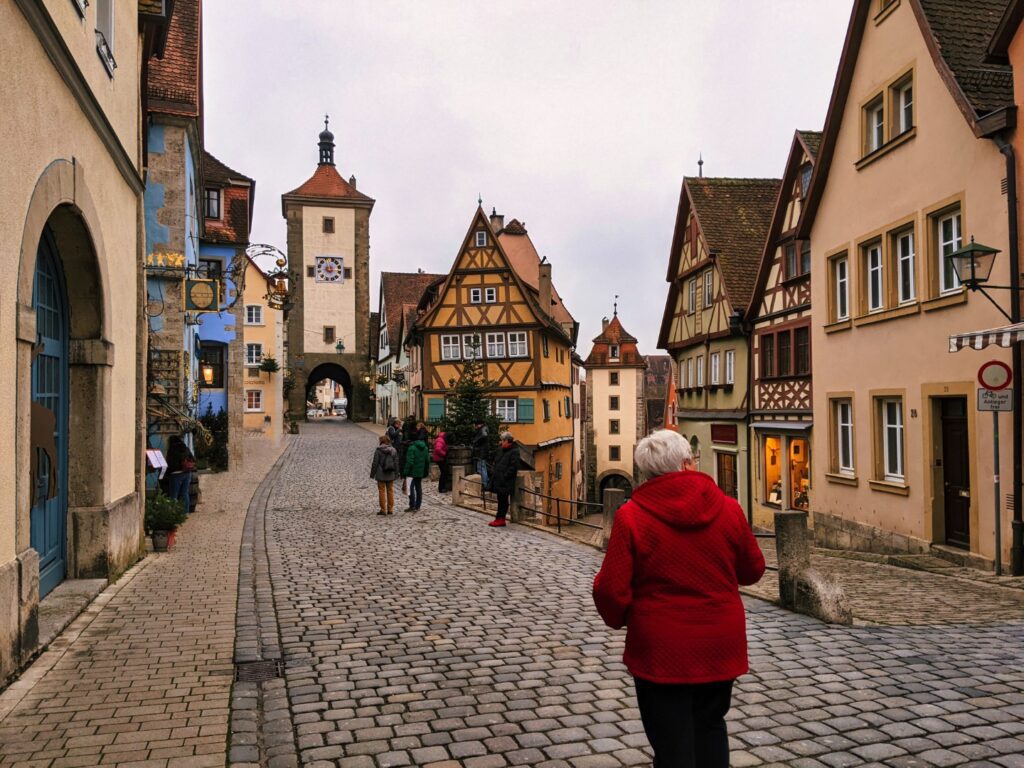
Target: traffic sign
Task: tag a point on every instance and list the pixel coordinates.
(993, 400)
(995, 375)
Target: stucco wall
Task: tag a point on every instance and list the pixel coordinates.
(941, 162)
(628, 390)
(331, 304)
(269, 335)
(41, 118)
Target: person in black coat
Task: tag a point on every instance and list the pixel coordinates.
(503, 478)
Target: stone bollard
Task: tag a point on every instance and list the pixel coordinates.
(612, 499)
(793, 549)
(515, 508)
(458, 472)
(801, 587)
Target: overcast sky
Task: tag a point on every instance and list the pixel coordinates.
(579, 118)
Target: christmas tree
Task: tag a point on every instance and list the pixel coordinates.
(468, 405)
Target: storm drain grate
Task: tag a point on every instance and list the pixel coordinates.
(258, 671)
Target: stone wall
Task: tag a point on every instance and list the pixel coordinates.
(833, 532)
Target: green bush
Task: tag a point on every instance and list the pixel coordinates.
(214, 455)
(163, 513)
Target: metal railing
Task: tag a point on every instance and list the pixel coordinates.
(558, 509)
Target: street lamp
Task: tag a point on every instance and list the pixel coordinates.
(340, 347)
(973, 266)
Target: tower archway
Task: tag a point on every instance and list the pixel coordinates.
(333, 372)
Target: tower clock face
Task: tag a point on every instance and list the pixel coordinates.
(329, 269)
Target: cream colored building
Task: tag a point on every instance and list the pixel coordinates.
(909, 170)
(329, 257)
(616, 409)
(70, 326)
(263, 405)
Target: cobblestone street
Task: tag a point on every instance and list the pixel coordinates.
(430, 639)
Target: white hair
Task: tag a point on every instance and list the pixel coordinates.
(507, 436)
(662, 452)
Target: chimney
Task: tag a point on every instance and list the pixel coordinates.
(604, 324)
(544, 288)
(352, 181)
(497, 221)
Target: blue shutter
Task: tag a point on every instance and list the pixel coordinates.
(435, 410)
(525, 415)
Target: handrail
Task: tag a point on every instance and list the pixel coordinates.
(558, 510)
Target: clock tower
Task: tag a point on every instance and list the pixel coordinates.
(329, 266)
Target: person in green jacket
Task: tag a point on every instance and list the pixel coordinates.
(417, 466)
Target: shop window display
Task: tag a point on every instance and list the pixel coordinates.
(797, 463)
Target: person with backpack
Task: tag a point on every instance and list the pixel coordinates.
(384, 469)
(394, 434)
(417, 465)
(440, 457)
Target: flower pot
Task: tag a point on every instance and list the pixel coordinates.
(163, 540)
(460, 456)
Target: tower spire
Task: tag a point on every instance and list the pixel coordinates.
(700, 165)
(615, 313)
(326, 143)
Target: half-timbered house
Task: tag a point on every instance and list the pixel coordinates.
(780, 314)
(719, 237)
(498, 305)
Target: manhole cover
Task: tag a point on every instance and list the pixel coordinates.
(258, 671)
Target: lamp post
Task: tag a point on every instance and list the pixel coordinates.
(206, 370)
(973, 266)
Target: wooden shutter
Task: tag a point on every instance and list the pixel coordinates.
(525, 410)
(435, 409)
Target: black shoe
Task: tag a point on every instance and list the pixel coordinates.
(381, 513)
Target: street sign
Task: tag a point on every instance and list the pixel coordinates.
(990, 400)
(995, 375)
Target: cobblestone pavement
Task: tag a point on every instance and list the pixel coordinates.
(143, 676)
(429, 639)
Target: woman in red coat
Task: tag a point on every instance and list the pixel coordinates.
(678, 552)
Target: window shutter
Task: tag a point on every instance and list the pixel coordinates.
(435, 410)
(526, 410)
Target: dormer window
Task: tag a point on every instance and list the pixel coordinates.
(481, 239)
(211, 199)
(613, 352)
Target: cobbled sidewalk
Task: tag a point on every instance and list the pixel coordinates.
(143, 677)
(429, 639)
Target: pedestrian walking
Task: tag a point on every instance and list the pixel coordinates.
(503, 479)
(384, 469)
(440, 457)
(180, 466)
(417, 465)
(481, 454)
(394, 434)
(679, 550)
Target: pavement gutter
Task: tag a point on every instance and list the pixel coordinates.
(262, 732)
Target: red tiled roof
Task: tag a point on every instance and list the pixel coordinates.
(326, 183)
(524, 259)
(174, 84)
(614, 333)
(734, 216)
(399, 290)
(238, 193)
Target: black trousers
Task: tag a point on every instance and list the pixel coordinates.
(685, 724)
(503, 499)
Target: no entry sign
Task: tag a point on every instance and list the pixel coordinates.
(995, 375)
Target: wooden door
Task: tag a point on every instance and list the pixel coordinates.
(725, 465)
(956, 474)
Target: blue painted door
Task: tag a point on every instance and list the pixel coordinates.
(50, 391)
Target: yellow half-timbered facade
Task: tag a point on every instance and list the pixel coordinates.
(498, 305)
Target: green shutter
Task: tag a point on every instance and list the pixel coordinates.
(525, 415)
(435, 410)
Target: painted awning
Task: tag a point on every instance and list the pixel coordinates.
(1000, 337)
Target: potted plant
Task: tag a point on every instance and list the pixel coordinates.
(163, 516)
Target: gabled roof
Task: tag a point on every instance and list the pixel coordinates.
(614, 333)
(327, 186)
(530, 294)
(174, 82)
(734, 215)
(238, 201)
(811, 141)
(958, 35)
(789, 178)
(219, 174)
(524, 259)
(399, 290)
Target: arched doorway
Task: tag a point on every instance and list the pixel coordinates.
(330, 372)
(617, 481)
(49, 416)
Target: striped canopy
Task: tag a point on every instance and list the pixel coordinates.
(1001, 337)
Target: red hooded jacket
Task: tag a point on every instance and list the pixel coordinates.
(678, 552)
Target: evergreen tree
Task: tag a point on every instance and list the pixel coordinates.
(469, 404)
